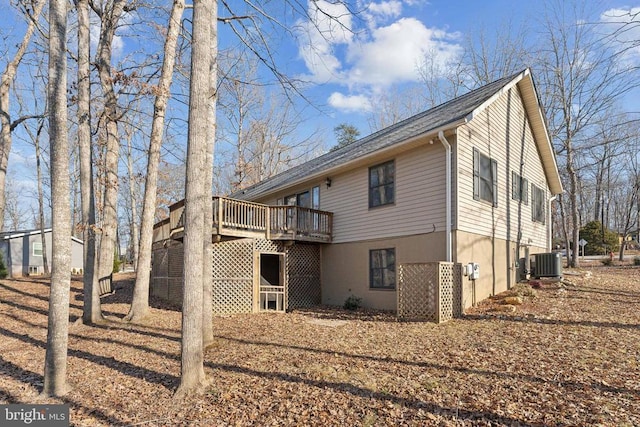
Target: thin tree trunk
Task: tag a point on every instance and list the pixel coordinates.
(55, 369)
(573, 205)
(45, 262)
(207, 272)
(110, 18)
(192, 376)
(91, 309)
(5, 119)
(140, 302)
(134, 229)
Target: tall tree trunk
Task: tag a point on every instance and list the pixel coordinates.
(207, 272)
(573, 205)
(91, 309)
(192, 369)
(5, 117)
(109, 22)
(134, 230)
(43, 239)
(55, 369)
(140, 303)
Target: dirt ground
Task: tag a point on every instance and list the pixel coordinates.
(568, 356)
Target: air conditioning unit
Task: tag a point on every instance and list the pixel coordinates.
(547, 265)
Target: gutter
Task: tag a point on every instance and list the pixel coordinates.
(447, 148)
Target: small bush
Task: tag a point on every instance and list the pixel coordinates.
(636, 260)
(117, 262)
(606, 261)
(352, 303)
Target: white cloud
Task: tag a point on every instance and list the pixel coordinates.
(367, 59)
(331, 27)
(622, 27)
(349, 103)
(395, 51)
(391, 8)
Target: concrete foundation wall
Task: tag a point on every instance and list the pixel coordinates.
(498, 260)
(345, 267)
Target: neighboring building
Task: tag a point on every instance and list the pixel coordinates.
(469, 181)
(22, 252)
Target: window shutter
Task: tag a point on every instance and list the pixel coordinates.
(476, 174)
(525, 191)
(494, 178)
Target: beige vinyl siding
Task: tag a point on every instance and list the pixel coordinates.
(419, 198)
(501, 132)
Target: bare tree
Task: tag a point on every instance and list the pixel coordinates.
(192, 356)
(55, 369)
(581, 77)
(110, 15)
(32, 13)
(260, 127)
(140, 302)
(35, 138)
(207, 288)
(91, 312)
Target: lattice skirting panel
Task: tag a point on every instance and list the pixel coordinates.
(232, 296)
(159, 285)
(232, 275)
(429, 291)
(303, 272)
(233, 270)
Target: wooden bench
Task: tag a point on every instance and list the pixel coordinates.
(105, 285)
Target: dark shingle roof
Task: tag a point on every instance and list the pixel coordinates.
(430, 120)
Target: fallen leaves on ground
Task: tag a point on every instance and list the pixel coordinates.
(568, 355)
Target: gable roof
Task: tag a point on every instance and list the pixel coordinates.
(443, 117)
(7, 235)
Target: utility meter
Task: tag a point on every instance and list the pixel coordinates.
(473, 271)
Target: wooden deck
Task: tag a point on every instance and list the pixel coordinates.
(237, 219)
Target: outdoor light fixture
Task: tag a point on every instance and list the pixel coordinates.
(328, 182)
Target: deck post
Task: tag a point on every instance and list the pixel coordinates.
(267, 216)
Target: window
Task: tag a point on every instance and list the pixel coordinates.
(485, 178)
(37, 248)
(304, 199)
(382, 184)
(537, 204)
(382, 269)
(519, 188)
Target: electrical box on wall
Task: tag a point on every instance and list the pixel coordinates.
(473, 271)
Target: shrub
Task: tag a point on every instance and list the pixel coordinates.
(636, 260)
(593, 233)
(3, 268)
(352, 303)
(117, 262)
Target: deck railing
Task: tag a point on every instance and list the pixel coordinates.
(238, 218)
(296, 221)
(234, 214)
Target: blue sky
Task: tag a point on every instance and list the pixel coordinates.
(348, 71)
(347, 67)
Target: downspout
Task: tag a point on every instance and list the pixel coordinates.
(550, 231)
(447, 148)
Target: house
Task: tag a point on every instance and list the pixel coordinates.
(22, 252)
(467, 183)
